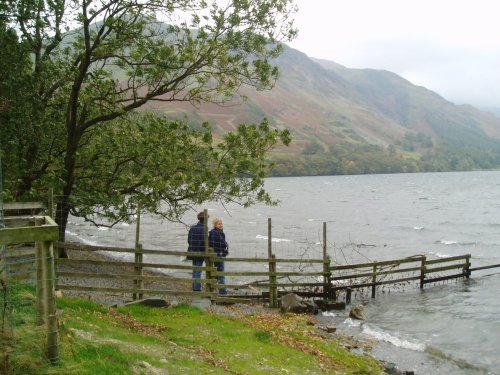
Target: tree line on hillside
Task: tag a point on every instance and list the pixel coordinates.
(347, 160)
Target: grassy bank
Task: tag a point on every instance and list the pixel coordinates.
(181, 339)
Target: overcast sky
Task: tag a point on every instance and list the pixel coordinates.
(449, 46)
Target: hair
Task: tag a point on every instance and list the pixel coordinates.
(216, 220)
(201, 216)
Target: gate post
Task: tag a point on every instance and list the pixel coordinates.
(50, 302)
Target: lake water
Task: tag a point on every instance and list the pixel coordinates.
(447, 328)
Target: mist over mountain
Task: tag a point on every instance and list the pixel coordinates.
(347, 121)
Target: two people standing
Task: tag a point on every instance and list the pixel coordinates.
(216, 240)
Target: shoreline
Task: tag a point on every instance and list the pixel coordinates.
(363, 346)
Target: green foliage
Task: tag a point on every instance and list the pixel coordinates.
(72, 91)
(165, 167)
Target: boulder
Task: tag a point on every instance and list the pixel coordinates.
(292, 303)
(358, 312)
(329, 329)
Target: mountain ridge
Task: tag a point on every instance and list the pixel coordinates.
(341, 117)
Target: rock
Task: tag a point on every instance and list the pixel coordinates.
(58, 293)
(329, 329)
(391, 369)
(358, 312)
(294, 304)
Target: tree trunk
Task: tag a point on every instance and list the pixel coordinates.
(63, 204)
(62, 213)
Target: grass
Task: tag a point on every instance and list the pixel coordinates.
(97, 339)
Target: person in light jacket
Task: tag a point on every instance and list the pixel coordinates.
(217, 241)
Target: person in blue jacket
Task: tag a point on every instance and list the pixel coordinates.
(196, 243)
(217, 241)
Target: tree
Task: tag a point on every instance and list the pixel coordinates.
(95, 63)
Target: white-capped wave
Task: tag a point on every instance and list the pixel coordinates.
(81, 239)
(328, 313)
(352, 323)
(394, 340)
(418, 228)
(261, 237)
(448, 242)
(439, 255)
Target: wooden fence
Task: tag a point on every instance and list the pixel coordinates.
(327, 282)
(141, 273)
(276, 276)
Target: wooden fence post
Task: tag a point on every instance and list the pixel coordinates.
(40, 284)
(422, 272)
(139, 271)
(273, 294)
(50, 302)
(326, 268)
(348, 296)
(273, 289)
(40, 279)
(374, 280)
(138, 256)
(467, 266)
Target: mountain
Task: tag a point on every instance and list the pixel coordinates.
(358, 121)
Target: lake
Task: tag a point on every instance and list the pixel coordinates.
(447, 328)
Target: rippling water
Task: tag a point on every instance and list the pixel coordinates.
(451, 328)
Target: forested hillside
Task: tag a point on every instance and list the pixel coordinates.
(350, 121)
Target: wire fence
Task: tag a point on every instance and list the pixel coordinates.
(247, 235)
